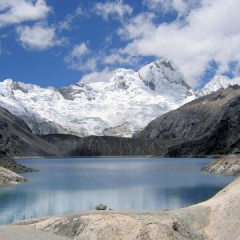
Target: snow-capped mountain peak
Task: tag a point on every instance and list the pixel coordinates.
(158, 73)
(120, 105)
(215, 84)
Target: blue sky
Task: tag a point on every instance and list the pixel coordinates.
(57, 43)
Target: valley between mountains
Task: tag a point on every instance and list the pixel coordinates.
(151, 112)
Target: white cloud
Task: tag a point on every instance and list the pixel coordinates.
(81, 58)
(66, 24)
(115, 9)
(182, 7)
(79, 50)
(102, 76)
(18, 11)
(119, 58)
(38, 37)
(137, 27)
(209, 33)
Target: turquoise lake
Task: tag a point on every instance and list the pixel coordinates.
(78, 184)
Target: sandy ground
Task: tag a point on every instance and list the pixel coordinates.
(26, 233)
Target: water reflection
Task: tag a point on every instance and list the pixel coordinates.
(65, 185)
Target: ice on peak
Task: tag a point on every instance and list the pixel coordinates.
(218, 82)
(10, 85)
(160, 72)
(8, 81)
(167, 62)
(122, 78)
(220, 79)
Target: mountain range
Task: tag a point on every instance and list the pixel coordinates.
(149, 112)
(119, 106)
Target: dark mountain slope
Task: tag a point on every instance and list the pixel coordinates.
(104, 146)
(208, 125)
(16, 140)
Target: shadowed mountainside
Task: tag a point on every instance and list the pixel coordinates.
(104, 146)
(206, 126)
(17, 140)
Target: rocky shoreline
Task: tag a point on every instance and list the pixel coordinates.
(228, 165)
(9, 177)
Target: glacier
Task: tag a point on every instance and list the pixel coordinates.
(120, 106)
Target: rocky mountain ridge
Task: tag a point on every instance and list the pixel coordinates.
(206, 126)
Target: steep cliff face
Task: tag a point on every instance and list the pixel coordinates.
(208, 125)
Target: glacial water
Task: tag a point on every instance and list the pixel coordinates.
(78, 184)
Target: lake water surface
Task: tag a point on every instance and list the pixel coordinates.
(76, 184)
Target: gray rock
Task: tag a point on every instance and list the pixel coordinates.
(9, 177)
(228, 165)
(16, 140)
(101, 207)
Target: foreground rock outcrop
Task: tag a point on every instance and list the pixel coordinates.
(217, 218)
(228, 165)
(10, 177)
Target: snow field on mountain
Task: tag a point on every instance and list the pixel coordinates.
(120, 106)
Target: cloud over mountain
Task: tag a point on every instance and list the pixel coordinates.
(201, 36)
(208, 33)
